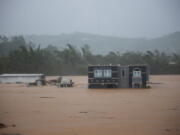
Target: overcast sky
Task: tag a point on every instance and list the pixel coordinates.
(125, 18)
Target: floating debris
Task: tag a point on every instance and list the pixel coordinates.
(2, 125)
(46, 97)
(83, 112)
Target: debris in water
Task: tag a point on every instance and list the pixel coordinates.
(46, 97)
(168, 130)
(2, 125)
(83, 112)
(13, 125)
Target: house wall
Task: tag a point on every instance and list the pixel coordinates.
(123, 77)
(102, 82)
(144, 71)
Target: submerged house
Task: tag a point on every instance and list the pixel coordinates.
(20, 78)
(116, 76)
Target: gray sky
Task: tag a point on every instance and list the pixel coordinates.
(125, 18)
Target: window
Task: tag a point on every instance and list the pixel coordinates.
(136, 73)
(107, 73)
(98, 73)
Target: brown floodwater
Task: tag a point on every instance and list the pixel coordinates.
(49, 110)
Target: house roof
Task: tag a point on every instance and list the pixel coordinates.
(20, 75)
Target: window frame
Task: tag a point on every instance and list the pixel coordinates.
(105, 73)
(97, 73)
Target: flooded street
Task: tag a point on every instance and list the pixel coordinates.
(49, 110)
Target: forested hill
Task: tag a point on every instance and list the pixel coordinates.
(100, 44)
(18, 56)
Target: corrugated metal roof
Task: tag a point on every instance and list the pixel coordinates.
(20, 75)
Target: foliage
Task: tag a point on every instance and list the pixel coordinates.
(16, 56)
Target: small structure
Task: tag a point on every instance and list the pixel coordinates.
(64, 82)
(116, 76)
(22, 78)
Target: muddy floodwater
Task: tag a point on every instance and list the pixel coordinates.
(49, 110)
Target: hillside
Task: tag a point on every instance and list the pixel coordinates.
(104, 44)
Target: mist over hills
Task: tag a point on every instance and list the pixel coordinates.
(101, 44)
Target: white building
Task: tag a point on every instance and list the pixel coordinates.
(20, 78)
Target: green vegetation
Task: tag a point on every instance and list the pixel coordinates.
(17, 56)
